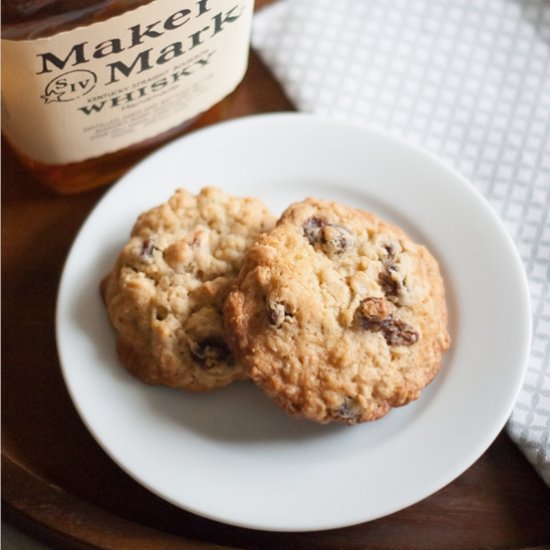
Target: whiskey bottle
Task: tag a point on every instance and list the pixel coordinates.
(89, 87)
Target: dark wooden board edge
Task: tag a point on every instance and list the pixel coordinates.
(61, 520)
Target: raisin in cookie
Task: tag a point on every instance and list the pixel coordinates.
(165, 294)
(338, 315)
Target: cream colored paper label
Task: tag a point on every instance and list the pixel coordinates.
(100, 88)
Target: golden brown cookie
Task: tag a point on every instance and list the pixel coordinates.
(165, 294)
(337, 314)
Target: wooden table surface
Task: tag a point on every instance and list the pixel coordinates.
(60, 487)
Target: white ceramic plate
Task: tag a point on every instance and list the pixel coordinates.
(232, 455)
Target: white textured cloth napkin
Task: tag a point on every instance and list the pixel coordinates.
(468, 80)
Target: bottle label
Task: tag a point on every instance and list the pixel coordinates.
(99, 88)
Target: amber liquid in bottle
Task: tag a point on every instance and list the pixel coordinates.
(76, 177)
(30, 19)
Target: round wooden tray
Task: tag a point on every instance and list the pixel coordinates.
(59, 486)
